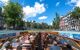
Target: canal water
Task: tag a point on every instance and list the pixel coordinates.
(9, 33)
(70, 34)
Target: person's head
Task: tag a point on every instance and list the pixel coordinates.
(65, 43)
(54, 42)
(3, 41)
(57, 38)
(54, 38)
(17, 40)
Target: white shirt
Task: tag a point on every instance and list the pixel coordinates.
(27, 41)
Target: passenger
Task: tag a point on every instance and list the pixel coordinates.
(15, 44)
(54, 38)
(31, 38)
(39, 42)
(26, 36)
(4, 46)
(19, 47)
(26, 41)
(55, 47)
(9, 46)
(60, 40)
(1, 43)
(50, 39)
(45, 43)
(21, 39)
(68, 46)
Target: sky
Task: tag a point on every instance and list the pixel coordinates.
(44, 10)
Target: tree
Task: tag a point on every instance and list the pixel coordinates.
(44, 25)
(1, 19)
(0, 11)
(33, 24)
(13, 14)
(28, 24)
(56, 21)
(75, 13)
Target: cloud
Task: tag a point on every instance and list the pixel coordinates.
(78, 4)
(61, 16)
(74, 3)
(51, 23)
(57, 3)
(33, 11)
(4, 2)
(42, 17)
(29, 11)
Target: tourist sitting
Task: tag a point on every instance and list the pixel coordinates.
(60, 40)
(50, 39)
(68, 46)
(15, 44)
(32, 37)
(4, 46)
(21, 39)
(26, 41)
(45, 44)
(55, 47)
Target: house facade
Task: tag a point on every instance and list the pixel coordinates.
(69, 24)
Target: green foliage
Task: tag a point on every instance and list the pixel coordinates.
(56, 21)
(35, 25)
(0, 11)
(75, 13)
(13, 14)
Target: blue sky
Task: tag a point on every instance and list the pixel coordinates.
(44, 10)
